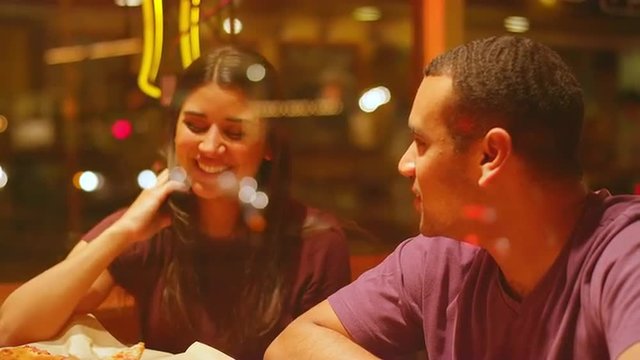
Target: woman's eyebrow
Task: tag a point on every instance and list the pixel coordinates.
(194, 113)
(236, 119)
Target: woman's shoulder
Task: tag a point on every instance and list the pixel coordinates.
(324, 253)
(322, 230)
(317, 221)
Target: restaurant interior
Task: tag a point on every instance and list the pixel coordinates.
(82, 119)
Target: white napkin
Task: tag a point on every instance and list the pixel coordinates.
(86, 339)
(200, 351)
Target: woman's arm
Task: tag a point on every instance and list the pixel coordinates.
(42, 306)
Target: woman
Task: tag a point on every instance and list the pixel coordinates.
(207, 267)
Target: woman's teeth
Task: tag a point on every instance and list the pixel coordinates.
(212, 169)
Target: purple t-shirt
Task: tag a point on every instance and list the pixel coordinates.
(446, 297)
(320, 268)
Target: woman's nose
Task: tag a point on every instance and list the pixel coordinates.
(211, 142)
(407, 163)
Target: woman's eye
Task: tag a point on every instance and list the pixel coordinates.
(234, 134)
(195, 128)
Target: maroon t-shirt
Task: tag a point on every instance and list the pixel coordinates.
(447, 297)
(321, 269)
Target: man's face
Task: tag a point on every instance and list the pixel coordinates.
(443, 179)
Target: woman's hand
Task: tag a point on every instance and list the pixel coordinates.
(37, 310)
(143, 219)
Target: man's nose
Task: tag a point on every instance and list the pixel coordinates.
(407, 163)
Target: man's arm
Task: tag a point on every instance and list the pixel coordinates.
(316, 334)
(632, 353)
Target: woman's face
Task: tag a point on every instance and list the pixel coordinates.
(218, 133)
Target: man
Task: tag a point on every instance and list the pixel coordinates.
(552, 271)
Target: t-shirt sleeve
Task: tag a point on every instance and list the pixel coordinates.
(326, 252)
(381, 310)
(620, 304)
(102, 226)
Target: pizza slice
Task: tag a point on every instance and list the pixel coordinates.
(28, 352)
(131, 353)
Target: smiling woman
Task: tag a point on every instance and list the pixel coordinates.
(232, 260)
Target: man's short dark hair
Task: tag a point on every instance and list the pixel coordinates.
(522, 86)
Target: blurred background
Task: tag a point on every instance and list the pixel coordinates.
(81, 120)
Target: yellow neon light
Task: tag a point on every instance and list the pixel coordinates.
(149, 65)
(158, 34)
(195, 29)
(184, 28)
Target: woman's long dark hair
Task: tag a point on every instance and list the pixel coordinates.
(267, 268)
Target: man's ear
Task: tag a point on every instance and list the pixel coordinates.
(496, 149)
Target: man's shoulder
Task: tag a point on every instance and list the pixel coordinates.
(438, 250)
(619, 221)
(429, 262)
(616, 237)
(622, 207)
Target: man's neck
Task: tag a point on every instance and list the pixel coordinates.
(531, 233)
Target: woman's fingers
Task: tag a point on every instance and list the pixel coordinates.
(163, 176)
(144, 218)
(172, 180)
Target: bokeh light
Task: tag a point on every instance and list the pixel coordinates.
(147, 179)
(247, 194)
(516, 24)
(4, 123)
(367, 13)
(88, 181)
(373, 98)
(179, 174)
(121, 129)
(502, 246)
(237, 26)
(472, 239)
(255, 221)
(479, 213)
(250, 182)
(129, 3)
(4, 178)
(256, 72)
(260, 201)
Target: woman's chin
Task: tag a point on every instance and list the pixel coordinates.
(206, 192)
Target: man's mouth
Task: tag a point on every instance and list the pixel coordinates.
(417, 200)
(417, 204)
